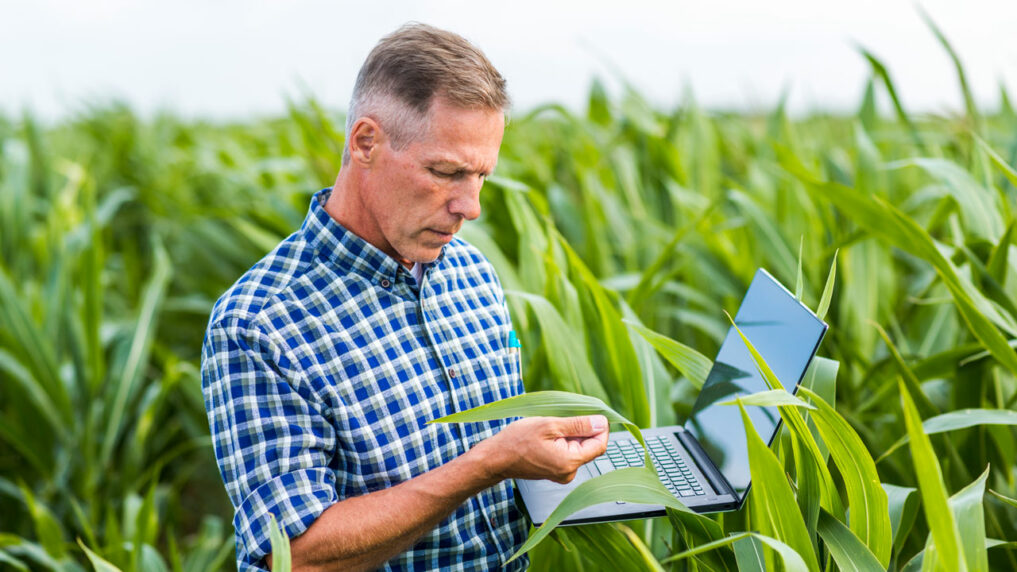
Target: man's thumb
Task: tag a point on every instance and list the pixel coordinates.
(586, 425)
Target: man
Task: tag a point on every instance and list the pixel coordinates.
(324, 363)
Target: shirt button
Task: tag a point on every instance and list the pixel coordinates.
(385, 283)
(494, 523)
(452, 373)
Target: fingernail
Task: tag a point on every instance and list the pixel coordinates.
(598, 422)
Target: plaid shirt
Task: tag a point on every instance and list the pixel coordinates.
(322, 366)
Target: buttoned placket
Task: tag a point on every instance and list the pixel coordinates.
(429, 311)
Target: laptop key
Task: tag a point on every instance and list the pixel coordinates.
(604, 466)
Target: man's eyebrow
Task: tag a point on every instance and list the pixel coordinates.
(458, 165)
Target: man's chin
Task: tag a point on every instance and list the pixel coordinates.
(422, 256)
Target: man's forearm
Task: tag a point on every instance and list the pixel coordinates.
(361, 533)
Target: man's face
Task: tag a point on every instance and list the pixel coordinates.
(420, 196)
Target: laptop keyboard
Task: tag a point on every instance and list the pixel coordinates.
(676, 475)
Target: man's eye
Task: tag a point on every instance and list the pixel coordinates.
(446, 174)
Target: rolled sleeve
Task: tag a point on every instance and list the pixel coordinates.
(271, 440)
(296, 499)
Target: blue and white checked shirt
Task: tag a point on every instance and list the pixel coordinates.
(322, 366)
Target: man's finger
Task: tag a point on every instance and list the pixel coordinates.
(584, 426)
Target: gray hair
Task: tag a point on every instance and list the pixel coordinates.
(412, 66)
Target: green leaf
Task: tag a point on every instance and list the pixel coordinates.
(930, 484)
(998, 260)
(831, 279)
(957, 420)
(151, 560)
(884, 220)
(546, 404)
(749, 555)
(281, 558)
(773, 504)
(847, 550)
(770, 398)
(998, 161)
(1006, 499)
(799, 282)
(47, 527)
(925, 405)
(799, 427)
(696, 529)
(979, 208)
(903, 505)
(997, 543)
(98, 563)
(131, 372)
(606, 545)
(867, 500)
(881, 72)
(692, 364)
(647, 559)
(967, 505)
(635, 485)
(12, 561)
(615, 344)
(793, 561)
(566, 350)
(969, 100)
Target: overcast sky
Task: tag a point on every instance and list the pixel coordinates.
(231, 59)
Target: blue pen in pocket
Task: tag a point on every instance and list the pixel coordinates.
(513, 343)
(513, 351)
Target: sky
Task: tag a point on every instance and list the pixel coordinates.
(226, 59)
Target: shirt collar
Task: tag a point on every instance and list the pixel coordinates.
(333, 242)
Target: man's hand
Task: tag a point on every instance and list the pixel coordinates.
(545, 447)
(361, 533)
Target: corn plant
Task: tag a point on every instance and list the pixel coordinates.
(621, 233)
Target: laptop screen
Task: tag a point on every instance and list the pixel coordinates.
(786, 334)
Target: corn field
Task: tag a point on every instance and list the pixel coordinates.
(621, 234)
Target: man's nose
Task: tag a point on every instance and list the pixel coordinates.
(466, 202)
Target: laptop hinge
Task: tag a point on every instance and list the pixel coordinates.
(710, 471)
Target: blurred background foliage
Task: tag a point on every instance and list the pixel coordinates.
(118, 233)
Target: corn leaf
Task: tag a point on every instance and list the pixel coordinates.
(967, 508)
(281, 557)
(770, 398)
(606, 545)
(799, 281)
(543, 404)
(696, 530)
(793, 561)
(827, 296)
(1004, 498)
(635, 485)
(132, 370)
(98, 563)
(867, 500)
(999, 162)
(47, 527)
(799, 427)
(749, 555)
(887, 222)
(903, 505)
(938, 515)
(957, 420)
(646, 557)
(848, 551)
(998, 260)
(692, 364)
(773, 504)
(11, 561)
(567, 352)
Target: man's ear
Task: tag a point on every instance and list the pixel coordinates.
(365, 137)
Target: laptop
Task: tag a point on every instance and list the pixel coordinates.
(705, 462)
